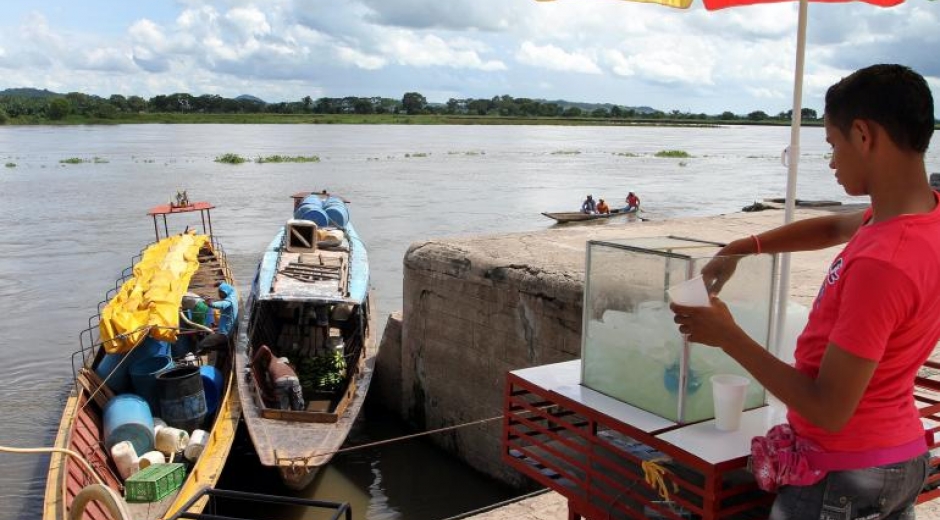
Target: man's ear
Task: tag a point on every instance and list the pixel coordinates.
(863, 134)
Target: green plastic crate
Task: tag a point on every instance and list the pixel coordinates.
(154, 482)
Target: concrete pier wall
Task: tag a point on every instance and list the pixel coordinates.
(478, 307)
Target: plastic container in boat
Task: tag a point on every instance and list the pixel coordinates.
(212, 382)
(313, 213)
(171, 440)
(127, 418)
(150, 458)
(144, 378)
(125, 458)
(336, 210)
(120, 380)
(311, 201)
(197, 443)
(182, 397)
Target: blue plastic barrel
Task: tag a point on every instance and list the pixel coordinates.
(182, 397)
(119, 381)
(336, 210)
(127, 418)
(312, 213)
(312, 201)
(144, 378)
(212, 385)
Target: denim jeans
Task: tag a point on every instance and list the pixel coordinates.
(880, 493)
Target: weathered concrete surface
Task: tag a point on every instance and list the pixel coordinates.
(477, 307)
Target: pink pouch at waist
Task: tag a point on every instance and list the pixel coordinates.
(783, 458)
(780, 458)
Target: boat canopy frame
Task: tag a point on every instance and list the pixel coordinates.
(160, 212)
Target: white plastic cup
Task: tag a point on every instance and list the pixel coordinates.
(728, 391)
(690, 292)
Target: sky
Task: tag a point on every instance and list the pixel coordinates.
(597, 51)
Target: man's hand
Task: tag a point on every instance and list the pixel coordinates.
(718, 271)
(712, 325)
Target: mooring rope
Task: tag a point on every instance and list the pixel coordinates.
(395, 439)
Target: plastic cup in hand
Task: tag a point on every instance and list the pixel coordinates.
(690, 292)
(728, 391)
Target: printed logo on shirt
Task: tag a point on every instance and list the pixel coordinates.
(835, 270)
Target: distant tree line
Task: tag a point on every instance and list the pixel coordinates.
(35, 104)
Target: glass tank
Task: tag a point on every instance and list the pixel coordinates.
(631, 348)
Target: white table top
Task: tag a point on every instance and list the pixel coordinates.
(702, 439)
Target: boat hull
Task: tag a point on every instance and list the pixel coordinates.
(82, 430)
(576, 216)
(293, 303)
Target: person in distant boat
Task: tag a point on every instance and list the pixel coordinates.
(228, 307)
(281, 377)
(633, 202)
(589, 206)
(602, 207)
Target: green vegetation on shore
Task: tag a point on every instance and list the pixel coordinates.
(42, 107)
(31, 106)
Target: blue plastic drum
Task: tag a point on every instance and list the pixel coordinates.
(144, 378)
(336, 210)
(212, 382)
(127, 418)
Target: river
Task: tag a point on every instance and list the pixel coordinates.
(67, 231)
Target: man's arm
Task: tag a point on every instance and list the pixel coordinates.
(828, 401)
(802, 235)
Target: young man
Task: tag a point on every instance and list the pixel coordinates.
(876, 317)
(589, 206)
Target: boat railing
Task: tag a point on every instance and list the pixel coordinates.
(341, 509)
(223, 258)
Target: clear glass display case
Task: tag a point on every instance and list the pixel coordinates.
(631, 348)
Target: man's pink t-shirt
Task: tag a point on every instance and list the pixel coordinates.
(880, 301)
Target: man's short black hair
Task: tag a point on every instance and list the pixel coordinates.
(894, 96)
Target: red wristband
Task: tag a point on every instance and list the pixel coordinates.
(756, 245)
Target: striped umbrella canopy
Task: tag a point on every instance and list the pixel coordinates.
(792, 153)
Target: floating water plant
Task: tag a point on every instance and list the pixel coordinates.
(288, 159)
(626, 154)
(419, 154)
(230, 158)
(677, 154)
(566, 152)
(73, 160)
(10, 165)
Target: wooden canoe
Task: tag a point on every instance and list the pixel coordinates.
(81, 428)
(310, 302)
(577, 216)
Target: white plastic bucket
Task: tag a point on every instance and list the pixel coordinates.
(150, 458)
(171, 440)
(125, 458)
(197, 443)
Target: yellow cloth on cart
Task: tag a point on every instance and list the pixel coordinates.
(149, 302)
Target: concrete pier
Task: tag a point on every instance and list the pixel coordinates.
(477, 307)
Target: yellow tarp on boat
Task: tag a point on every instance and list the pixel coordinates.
(149, 302)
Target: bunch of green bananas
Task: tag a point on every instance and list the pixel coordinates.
(322, 373)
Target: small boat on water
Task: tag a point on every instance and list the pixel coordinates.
(308, 341)
(576, 216)
(152, 414)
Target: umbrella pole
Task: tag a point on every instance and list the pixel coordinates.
(783, 287)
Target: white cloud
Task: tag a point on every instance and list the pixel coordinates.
(552, 57)
(409, 49)
(604, 50)
(359, 59)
